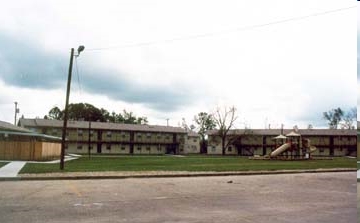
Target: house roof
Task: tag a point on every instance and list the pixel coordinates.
(31, 134)
(5, 126)
(32, 123)
(304, 132)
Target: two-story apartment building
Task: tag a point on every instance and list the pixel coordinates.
(113, 138)
(192, 143)
(249, 142)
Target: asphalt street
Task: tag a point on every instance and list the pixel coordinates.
(295, 198)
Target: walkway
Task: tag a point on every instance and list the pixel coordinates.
(12, 169)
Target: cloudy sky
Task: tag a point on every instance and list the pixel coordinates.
(280, 61)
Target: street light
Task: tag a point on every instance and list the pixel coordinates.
(17, 110)
(62, 155)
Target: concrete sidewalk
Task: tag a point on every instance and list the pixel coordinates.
(161, 174)
(11, 169)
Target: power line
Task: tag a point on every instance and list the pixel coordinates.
(244, 28)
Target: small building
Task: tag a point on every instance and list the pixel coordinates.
(249, 142)
(18, 143)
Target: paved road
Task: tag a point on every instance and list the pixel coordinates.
(295, 198)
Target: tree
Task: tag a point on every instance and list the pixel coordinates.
(205, 123)
(141, 121)
(55, 113)
(88, 112)
(349, 119)
(85, 112)
(333, 117)
(225, 120)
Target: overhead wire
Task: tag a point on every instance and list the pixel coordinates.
(197, 36)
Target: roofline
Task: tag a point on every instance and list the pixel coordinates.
(32, 134)
(77, 125)
(340, 132)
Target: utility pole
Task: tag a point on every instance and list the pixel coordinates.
(89, 140)
(16, 111)
(63, 143)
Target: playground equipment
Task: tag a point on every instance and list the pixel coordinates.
(293, 147)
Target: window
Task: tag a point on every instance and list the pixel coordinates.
(139, 135)
(79, 146)
(91, 147)
(321, 150)
(213, 149)
(108, 146)
(108, 134)
(195, 140)
(148, 148)
(122, 147)
(123, 135)
(139, 148)
(91, 133)
(158, 136)
(229, 148)
(80, 133)
(167, 137)
(148, 135)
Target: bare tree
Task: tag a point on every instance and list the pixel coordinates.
(224, 119)
(349, 119)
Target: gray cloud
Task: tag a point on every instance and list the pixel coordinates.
(27, 66)
(119, 88)
(30, 66)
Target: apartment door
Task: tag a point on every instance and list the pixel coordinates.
(99, 148)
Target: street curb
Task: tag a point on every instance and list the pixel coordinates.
(244, 173)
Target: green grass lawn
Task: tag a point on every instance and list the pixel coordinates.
(188, 163)
(3, 164)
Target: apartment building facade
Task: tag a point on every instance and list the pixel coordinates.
(113, 138)
(249, 142)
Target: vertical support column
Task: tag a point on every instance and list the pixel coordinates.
(131, 142)
(331, 153)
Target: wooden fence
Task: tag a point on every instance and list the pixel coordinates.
(29, 150)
